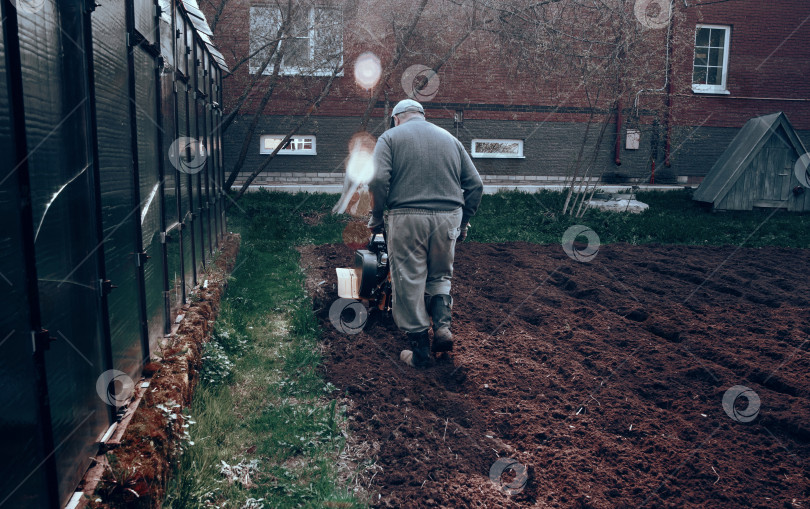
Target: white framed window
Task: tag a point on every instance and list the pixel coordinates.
(313, 46)
(710, 68)
(299, 145)
(497, 148)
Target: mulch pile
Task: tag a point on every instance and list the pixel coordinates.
(135, 473)
(605, 380)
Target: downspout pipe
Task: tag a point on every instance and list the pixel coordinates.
(618, 152)
(667, 88)
(668, 143)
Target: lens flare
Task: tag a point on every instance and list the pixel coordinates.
(360, 166)
(367, 70)
(359, 173)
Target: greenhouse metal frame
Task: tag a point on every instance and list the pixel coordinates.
(105, 232)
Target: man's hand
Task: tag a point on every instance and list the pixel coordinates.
(376, 225)
(463, 235)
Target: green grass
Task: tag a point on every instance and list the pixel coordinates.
(673, 218)
(273, 405)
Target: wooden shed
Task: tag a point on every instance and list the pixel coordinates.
(757, 169)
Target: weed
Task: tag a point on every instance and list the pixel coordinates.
(216, 365)
(673, 218)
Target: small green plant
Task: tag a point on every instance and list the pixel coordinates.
(216, 365)
(177, 426)
(231, 341)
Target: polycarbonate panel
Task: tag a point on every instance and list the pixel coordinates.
(213, 180)
(196, 195)
(182, 57)
(223, 198)
(22, 483)
(210, 170)
(118, 206)
(189, 38)
(145, 19)
(198, 66)
(218, 147)
(205, 175)
(171, 192)
(150, 182)
(185, 192)
(166, 33)
(56, 122)
(191, 236)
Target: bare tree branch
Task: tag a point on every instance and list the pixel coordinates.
(312, 109)
(392, 64)
(248, 139)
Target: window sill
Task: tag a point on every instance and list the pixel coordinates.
(702, 90)
(289, 153)
(476, 156)
(293, 72)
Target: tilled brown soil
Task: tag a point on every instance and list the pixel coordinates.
(606, 380)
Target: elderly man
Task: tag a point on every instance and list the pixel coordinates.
(431, 188)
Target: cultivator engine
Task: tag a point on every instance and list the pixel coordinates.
(370, 280)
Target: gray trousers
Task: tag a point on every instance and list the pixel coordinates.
(421, 248)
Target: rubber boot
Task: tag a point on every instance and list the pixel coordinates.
(420, 345)
(440, 307)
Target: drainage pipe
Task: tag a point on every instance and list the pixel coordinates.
(618, 155)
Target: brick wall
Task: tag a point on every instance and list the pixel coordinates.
(768, 60)
(549, 149)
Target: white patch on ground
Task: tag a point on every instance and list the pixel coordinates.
(618, 203)
(240, 472)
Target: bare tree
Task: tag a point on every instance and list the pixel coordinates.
(273, 49)
(594, 54)
(301, 121)
(426, 32)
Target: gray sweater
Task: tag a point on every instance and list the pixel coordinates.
(420, 165)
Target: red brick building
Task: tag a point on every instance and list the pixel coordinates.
(709, 67)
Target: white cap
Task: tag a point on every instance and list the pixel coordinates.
(407, 105)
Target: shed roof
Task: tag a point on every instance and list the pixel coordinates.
(745, 146)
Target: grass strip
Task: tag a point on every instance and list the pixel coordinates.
(673, 218)
(267, 431)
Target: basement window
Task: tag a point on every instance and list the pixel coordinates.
(710, 68)
(299, 145)
(497, 148)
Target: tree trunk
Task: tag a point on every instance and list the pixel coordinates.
(578, 163)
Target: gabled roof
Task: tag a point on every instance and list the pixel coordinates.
(745, 146)
(197, 18)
